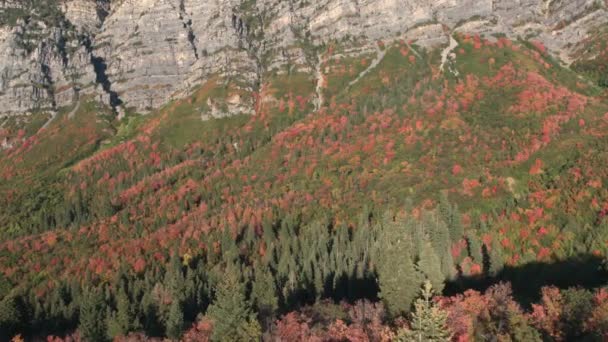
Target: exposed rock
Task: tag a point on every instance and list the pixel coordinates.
(142, 53)
(87, 15)
(233, 105)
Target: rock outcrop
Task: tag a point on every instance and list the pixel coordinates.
(142, 53)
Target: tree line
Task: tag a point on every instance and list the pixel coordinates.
(245, 282)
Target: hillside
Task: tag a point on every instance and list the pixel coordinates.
(314, 202)
(141, 54)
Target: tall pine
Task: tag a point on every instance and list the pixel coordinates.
(451, 216)
(122, 320)
(233, 319)
(439, 237)
(496, 256)
(10, 317)
(264, 294)
(92, 316)
(175, 321)
(430, 266)
(429, 322)
(397, 277)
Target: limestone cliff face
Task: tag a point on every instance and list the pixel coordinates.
(142, 53)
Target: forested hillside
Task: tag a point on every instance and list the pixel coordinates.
(405, 194)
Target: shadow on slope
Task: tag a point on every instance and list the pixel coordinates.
(583, 271)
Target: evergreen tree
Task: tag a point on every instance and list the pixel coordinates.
(122, 321)
(231, 313)
(150, 315)
(429, 322)
(418, 237)
(10, 317)
(397, 277)
(174, 278)
(455, 225)
(92, 316)
(175, 321)
(474, 245)
(430, 266)
(263, 293)
(451, 216)
(444, 207)
(195, 290)
(269, 238)
(319, 280)
(440, 240)
(496, 257)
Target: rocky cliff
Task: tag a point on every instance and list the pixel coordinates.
(142, 53)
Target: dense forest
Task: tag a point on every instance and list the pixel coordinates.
(414, 205)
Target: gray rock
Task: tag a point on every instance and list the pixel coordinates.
(142, 53)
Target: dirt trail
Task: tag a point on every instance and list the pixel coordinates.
(73, 112)
(71, 115)
(446, 52)
(319, 88)
(46, 124)
(374, 63)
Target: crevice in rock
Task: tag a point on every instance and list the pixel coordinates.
(252, 41)
(99, 64)
(49, 85)
(192, 39)
(101, 76)
(47, 78)
(61, 47)
(241, 28)
(103, 9)
(188, 28)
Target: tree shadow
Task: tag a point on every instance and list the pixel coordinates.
(583, 271)
(353, 288)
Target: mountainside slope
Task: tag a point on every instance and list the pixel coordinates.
(292, 195)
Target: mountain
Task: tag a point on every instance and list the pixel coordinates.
(140, 54)
(290, 170)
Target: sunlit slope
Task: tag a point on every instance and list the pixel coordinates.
(517, 141)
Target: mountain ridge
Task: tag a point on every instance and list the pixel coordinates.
(139, 54)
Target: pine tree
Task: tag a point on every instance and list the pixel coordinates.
(263, 293)
(430, 266)
(231, 313)
(455, 225)
(439, 236)
(397, 277)
(429, 322)
(319, 281)
(122, 321)
(10, 317)
(150, 313)
(195, 290)
(174, 278)
(451, 216)
(92, 316)
(444, 207)
(497, 260)
(475, 250)
(175, 321)
(269, 238)
(418, 236)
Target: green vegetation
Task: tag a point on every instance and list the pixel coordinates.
(298, 224)
(593, 61)
(429, 322)
(45, 10)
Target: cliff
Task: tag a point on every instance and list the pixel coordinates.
(142, 53)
